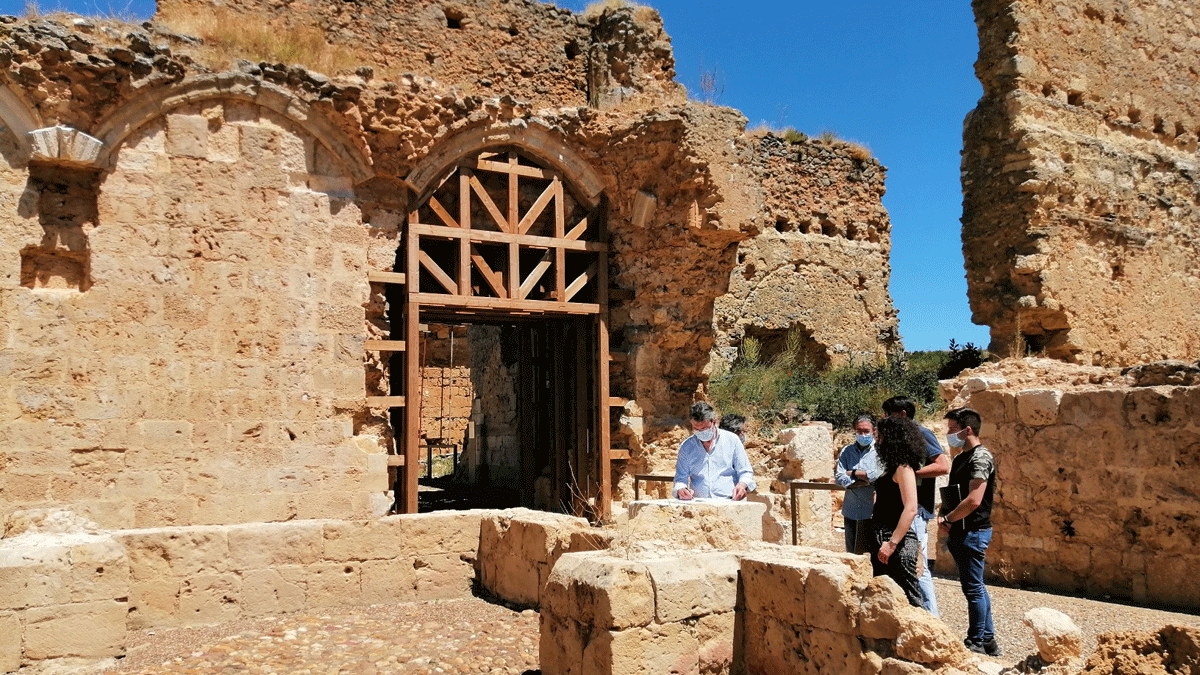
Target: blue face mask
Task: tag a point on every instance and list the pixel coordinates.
(705, 435)
(864, 439)
(954, 441)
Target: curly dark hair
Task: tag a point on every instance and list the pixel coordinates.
(899, 441)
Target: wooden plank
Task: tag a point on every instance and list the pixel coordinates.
(580, 281)
(536, 209)
(493, 278)
(506, 304)
(386, 277)
(411, 438)
(385, 401)
(395, 460)
(512, 169)
(535, 275)
(514, 190)
(384, 345)
(577, 231)
(617, 454)
(617, 401)
(560, 256)
(441, 212)
(490, 206)
(514, 269)
(436, 270)
(603, 394)
(490, 237)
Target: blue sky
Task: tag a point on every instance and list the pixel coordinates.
(894, 75)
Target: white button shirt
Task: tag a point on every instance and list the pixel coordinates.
(713, 474)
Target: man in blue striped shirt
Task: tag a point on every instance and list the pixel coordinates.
(712, 461)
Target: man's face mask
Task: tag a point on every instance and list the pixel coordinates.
(705, 435)
(954, 439)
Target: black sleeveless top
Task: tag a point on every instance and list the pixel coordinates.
(889, 505)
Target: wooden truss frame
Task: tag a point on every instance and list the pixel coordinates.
(497, 255)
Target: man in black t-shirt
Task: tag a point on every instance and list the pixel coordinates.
(968, 523)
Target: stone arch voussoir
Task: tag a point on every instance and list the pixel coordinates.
(537, 142)
(115, 128)
(20, 118)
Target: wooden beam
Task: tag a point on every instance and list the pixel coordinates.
(384, 345)
(490, 206)
(514, 190)
(616, 454)
(386, 277)
(535, 275)
(577, 231)
(444, 279)
(513, 169)
(441, 212)
(617, 401)
(385, 401)
(411, 439)
(505, 305)
(493, 278)
(395, 460)
(536, 209)
(490, 237)
(603, 395)
(580, 281)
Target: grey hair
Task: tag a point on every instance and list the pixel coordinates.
(870, 419)
(703, 412)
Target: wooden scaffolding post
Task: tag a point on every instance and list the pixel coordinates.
(412, 375)
(603, 433)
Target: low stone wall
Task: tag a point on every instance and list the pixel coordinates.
(68, 595)
(806, 610)
(1097, 474)
(606, 614)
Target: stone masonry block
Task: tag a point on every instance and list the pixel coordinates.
(773, 586)
(560, 644)
(187, 135)
(175, 551)
(86, 629)
(443, 576)
(518, 548)
(99, 570)
(768, 645)
(260, 545)
(31, 577)
(388, 581)
(812, 446)
(1039, 407)
(443, 531)
(206, 599)
(363, 540)
(153, 603)
(657, 648)
(265, 591)
(697, 586)
(334, 584)
(601, 590)
(10, 642)
(830, 601)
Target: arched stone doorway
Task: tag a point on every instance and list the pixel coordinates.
(499, 236)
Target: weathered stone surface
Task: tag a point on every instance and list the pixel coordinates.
(87, 629)
(10, 642)
(518, 548)
(1038, 407)
(744, 515)
(1079, 181)
(706, 585)
(600, 590)
(1057, 636)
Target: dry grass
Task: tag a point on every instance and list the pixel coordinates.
(229, 36)
(642, 13)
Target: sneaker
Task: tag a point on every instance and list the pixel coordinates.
(992, 648)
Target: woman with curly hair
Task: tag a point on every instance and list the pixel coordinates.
(900, 448)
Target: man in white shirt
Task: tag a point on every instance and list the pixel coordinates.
(712, 461)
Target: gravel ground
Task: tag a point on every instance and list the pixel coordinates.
(476, 636)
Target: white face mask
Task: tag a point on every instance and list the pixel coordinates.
(705, 435)
(954, 441)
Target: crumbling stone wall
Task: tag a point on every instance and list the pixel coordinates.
(1080, 210)
(1097, 474)
(188, 348)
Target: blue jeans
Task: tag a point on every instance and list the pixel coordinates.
(928, 598)
(852, 528)
(968, 549)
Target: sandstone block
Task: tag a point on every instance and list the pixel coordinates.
(812, 446)
(334, 584)
(443, 576)
(768, 645)
(924, 639)
(10, 642)
(600, 590)
(881, 609)
(1056, 635)
(1039, 407)
(444, 531)
(657, 648)
(154, 602)
(745, 515)
(388, 581)
(34, 576)
(702, 584)
(830, 601)
(363, 540)
(518, 548)
(205, 599)
(86, 629)
(560, 644)
(267, 592)
(773, 586)
(175, 551)
(99, 570)
(259, 545)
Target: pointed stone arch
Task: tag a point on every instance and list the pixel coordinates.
(117, 126)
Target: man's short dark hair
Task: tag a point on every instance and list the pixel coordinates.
(734, 423)
(703, 412)
(966, 417)
(903, 404)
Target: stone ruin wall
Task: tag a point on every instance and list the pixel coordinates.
(186, 254)
(1081, 179)
(1097, 471)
